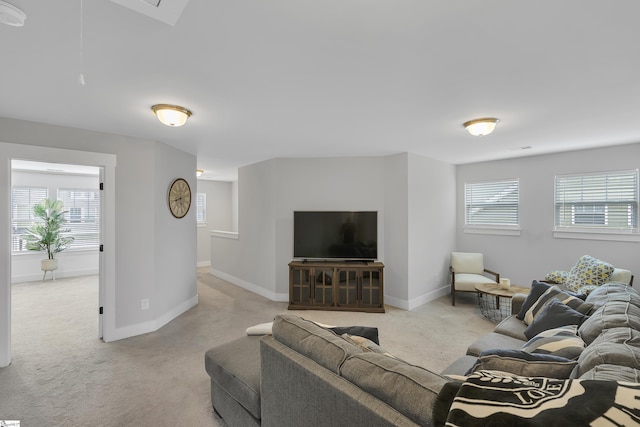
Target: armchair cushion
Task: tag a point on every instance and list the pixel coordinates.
(468, 282)
(466, 262)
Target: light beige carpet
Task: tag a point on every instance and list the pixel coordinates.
(63, 375)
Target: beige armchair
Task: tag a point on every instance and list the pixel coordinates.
(467, 271)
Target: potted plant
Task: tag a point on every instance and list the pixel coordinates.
(47, 233)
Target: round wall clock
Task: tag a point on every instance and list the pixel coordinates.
(179, 198)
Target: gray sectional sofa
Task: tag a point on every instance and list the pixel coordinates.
(304, 374)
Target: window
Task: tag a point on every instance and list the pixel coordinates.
(600, 201)
(492, 204)
(23, 199)
(83, 216)
(201, 208)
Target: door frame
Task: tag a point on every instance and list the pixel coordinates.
(107, 163)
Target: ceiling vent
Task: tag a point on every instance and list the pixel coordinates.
(167, 11)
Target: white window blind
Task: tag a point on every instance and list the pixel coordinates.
(83, 216)
(23, 199)
(492, 203)
(604, 200)
(201, 208)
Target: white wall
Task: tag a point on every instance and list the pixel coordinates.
(270, 191)
(25, 267)
(431, 227)
(220, 213)
(536, 252)
(142, 176)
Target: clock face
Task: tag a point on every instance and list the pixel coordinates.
(179, 198)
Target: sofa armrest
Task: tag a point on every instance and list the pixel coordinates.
(516, 302)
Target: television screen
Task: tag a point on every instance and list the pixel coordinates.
(331, 235)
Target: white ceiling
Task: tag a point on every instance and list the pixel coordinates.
(298, 78)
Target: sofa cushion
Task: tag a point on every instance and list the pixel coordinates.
(537, 289)
(613, 314)
(313, 341)
(617, 346)
(511, 326)
(608, 372)
(235, 367)
(555, 293)
(410, 389)
(493, 340)
(554, 315)
(519, 362)
(563, 341)
(613, 291)
(588, 271)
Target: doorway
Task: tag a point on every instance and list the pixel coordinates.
(11, 151)
(77, 187)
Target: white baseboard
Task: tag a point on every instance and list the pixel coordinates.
(204, 263)
(60, 274)
(418, 301)
(151, 325)
(273, 296)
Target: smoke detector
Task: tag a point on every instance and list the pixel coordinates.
(11, 15)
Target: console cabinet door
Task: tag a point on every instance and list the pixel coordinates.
(300, 286)
(347, 287)
(371, 288)
(323, 287)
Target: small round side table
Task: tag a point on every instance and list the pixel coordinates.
(495, 302)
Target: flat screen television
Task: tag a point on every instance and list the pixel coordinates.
(335, 235)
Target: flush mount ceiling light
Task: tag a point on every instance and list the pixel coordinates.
(171, 115)
(481, 127)
(11, 15)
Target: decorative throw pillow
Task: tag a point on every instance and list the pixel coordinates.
(563, 341)
(556, 276)
(366, 344)
(519, 362)
(555, 293)
(537, 289)
(588, 271)
(554, 315)
(361, 331)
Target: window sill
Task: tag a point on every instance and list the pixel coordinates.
(201, 224)
(596, 235)
(492, 230)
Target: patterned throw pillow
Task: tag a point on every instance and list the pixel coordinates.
(563, 341)
(555, 292)
(588, 271)
(556, 276)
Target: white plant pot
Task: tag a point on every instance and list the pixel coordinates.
(49, 265)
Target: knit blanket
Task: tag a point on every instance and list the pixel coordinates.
(492, 398)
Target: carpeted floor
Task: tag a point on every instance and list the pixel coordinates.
(63, 375)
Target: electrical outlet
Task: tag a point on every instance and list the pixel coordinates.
(144, 304)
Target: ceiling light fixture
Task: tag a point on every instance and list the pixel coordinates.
(171, 115)
(199, 172)
(481, 127)
(11, 15)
